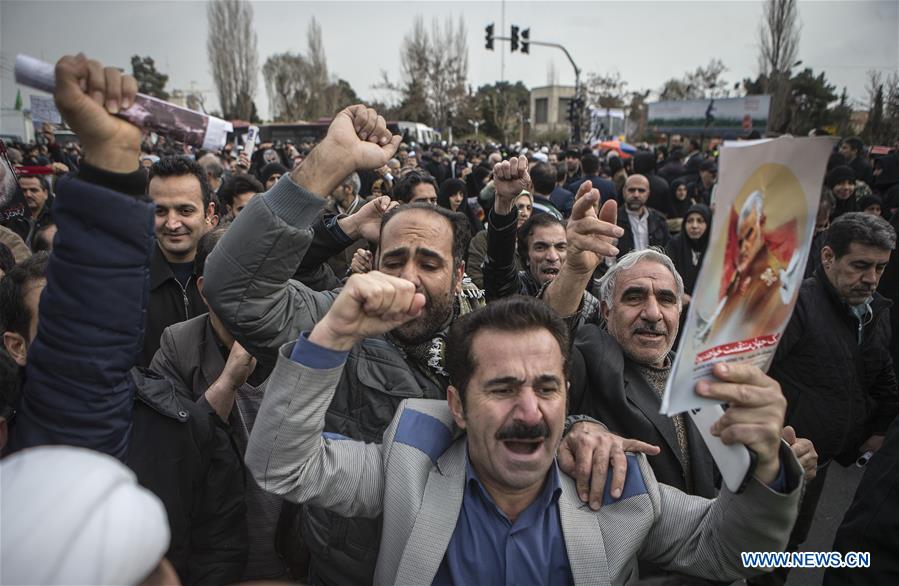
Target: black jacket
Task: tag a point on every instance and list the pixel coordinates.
(608, 386)
(182, 452)
(170, 303)
(870, 523)
(656, 224)
(838, 392)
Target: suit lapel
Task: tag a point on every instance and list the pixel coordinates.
(583, 538)
(639, 393)
(436, 520)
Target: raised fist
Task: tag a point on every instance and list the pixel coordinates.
(510, 178)
(87, 95)
(369, 304)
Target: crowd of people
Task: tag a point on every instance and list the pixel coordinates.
(370, 361)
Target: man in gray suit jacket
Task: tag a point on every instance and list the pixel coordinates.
(469, 488)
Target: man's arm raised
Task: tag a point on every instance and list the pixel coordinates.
(287, 453)
(500, 273)
(78, 388)
(248, 277)
(591, 237)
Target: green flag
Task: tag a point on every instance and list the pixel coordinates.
(18, 99)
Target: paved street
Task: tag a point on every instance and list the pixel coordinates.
(838, 492)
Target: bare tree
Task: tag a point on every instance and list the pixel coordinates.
(299, 86)
(778, 37)
(317, 73)
(448, 71)
(778, 50)
(703, 82)
(288, 94)
(231, 47)
(708, 81)
(434, 73)
(606, 91)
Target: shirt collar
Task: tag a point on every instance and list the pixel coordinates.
(549, 494)
(636, 215)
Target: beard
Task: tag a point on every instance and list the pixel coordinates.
(435, 318)
(633, 203)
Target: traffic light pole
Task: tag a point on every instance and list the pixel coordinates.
(576, 127)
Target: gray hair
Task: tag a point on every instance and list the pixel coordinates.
(353, 181)
(755, 201)
(212, 165)
(629, 260)
(860, 228)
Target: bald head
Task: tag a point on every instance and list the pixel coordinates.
(636, 192)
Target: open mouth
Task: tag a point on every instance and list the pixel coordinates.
(651, 336)
(523, 447)
(551, 272)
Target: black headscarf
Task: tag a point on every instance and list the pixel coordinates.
(681, 248)
(680, 206)
(450, 187)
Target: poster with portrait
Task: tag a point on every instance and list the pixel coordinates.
(765, 206)
(14, 212)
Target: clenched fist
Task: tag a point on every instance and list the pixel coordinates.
(369, 305)
(87, 95)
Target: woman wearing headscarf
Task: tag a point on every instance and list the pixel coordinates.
(477, 248)
(452, 196)
(680, 203)
(841, 180)
(687, 249)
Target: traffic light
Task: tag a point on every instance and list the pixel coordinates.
(572, 109)
(514, 38)
(488, 38)
(525, 40)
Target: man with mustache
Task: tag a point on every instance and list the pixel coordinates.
(627, 364)
(248, 285)
(184, 213)
(833, 361)
(469, 488)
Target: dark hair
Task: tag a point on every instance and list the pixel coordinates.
(860, 228)
(855, 143)
(561, 172)
(205, 246)
(237, 185)
(42, 179)
(14, 314)
(270, 169)
(458, 222)
(543, 176)
(179, 167)
(450, 187)
(615, 164)
(536, 220)
(515, 314)
(7, 259)
(590, 164)
(402, 191)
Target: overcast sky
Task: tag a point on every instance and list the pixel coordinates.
(647, 42)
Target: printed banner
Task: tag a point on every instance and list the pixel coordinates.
(765, 206)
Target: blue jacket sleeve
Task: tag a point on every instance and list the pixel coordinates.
(78, 390)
